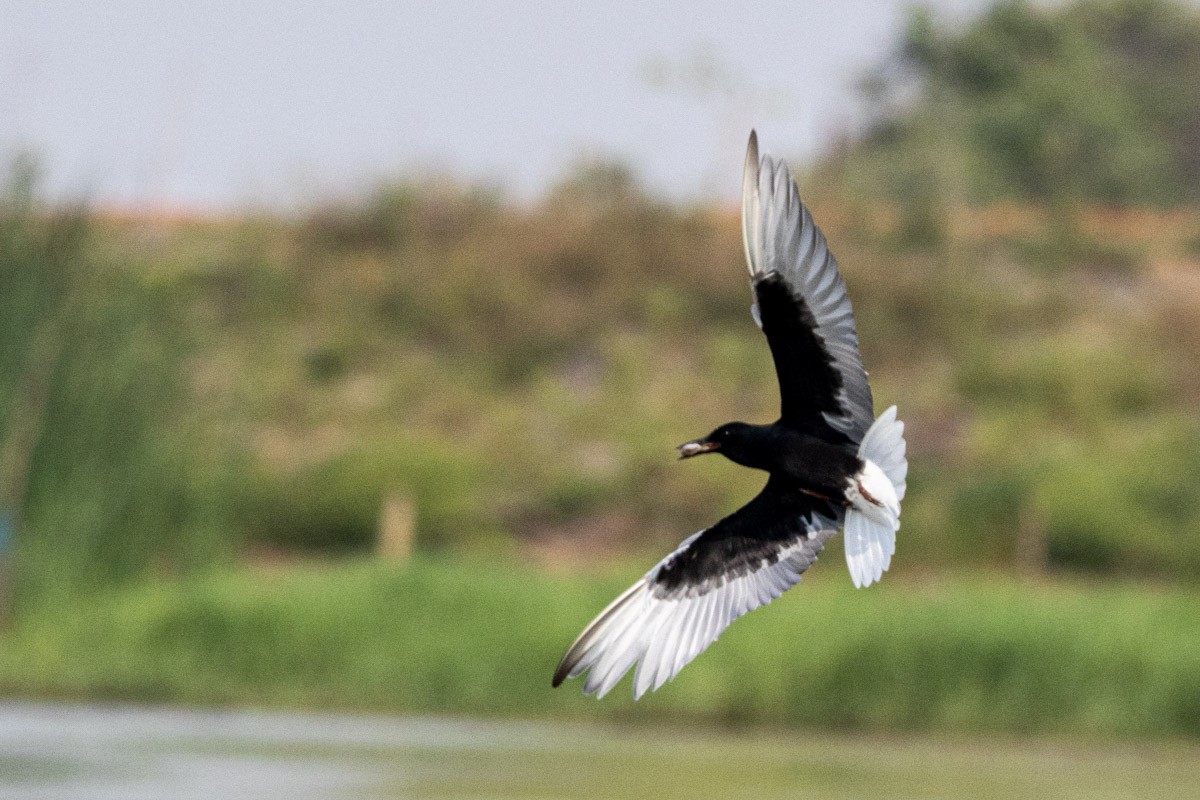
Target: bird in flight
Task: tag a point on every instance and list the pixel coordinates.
(830, 463)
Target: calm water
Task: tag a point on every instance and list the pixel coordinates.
(130, 753)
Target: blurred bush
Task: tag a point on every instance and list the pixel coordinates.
(259, 385)
(522, 374)
(1050, 103)
(481, 639)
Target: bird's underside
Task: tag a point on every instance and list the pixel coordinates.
(830, 463)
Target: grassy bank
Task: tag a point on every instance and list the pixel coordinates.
(952, 655)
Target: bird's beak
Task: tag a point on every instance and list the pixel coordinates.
(689, 449)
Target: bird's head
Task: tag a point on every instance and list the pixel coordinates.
(729, 439)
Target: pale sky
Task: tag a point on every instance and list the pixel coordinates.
(217, 104)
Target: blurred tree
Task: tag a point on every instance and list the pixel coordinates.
(1083, 102)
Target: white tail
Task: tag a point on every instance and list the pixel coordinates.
(875, 495)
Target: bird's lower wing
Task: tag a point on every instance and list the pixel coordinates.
(689, 598)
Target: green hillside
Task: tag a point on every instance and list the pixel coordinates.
(230, 387)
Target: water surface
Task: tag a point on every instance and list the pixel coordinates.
(136, 753)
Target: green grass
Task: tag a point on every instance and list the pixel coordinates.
(949, 655)
(602, 763)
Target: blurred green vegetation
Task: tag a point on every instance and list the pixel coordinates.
(102, 472)
(256, 387)
(966, 654)
(182, 393)
(1055, 103)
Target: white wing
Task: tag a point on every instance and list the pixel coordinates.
(678, 608)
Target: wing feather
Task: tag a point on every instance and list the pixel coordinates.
(680, 607)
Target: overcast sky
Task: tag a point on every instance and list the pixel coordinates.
(216, 104)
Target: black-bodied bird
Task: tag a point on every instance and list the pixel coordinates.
(830, 464)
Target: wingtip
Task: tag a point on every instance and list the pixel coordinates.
(568, 662)
(750, 209)
(563, 671)
(752, 159)
(578, 650)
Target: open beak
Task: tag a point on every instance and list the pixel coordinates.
(689, 449)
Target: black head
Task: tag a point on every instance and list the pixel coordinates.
(737, 441)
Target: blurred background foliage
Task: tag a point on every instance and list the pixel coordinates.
(1018, 226)
(1088, 102)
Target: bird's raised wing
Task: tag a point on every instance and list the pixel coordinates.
(801, 304)
(681, 606)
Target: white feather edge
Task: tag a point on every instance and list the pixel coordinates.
(751, 239)
(660, 636)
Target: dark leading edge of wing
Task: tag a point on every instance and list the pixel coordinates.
(802, 305)
(681, 606)
(746, 541)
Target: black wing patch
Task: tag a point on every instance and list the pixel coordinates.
(809, 381)
(751, 538)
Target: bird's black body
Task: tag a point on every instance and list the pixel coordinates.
(788, 453)
(808, 478)
(815, 455)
